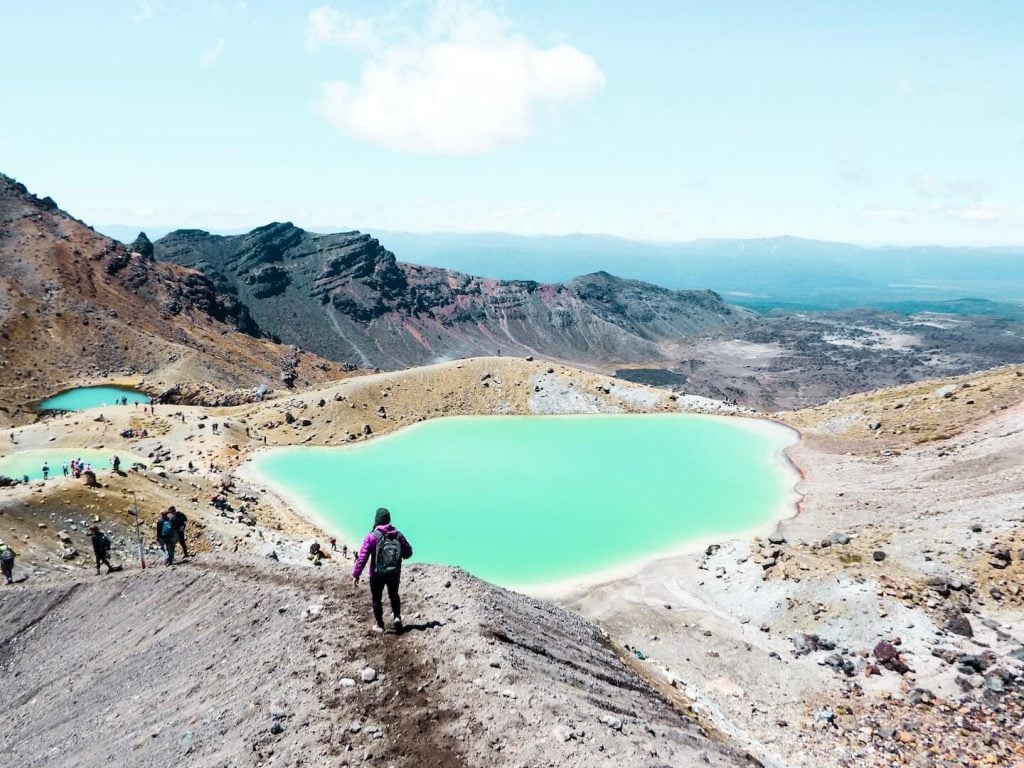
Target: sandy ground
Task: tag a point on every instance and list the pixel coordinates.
(930, 475)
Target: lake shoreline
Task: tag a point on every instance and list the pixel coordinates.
(558, 588)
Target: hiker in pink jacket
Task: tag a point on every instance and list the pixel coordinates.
(385, 548)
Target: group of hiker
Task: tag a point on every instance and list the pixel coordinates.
(170, 532)
(383, 549)
(77, 467)
(101, 545)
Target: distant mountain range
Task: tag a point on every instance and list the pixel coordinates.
(763, 274)
(346, 297)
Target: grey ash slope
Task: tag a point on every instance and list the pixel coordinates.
(221, 662)
(346, 297)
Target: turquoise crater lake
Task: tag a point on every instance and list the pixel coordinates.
(530, 500)
(80, 398)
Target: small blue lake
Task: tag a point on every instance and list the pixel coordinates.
(80, 398)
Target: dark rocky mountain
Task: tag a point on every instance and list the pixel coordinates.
(346, 297)
(75, 305)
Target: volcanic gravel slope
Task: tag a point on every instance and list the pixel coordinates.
(229, 661)
(345, 297)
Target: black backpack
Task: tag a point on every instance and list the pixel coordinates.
(104, 542)
(387, 558)
(7, 556)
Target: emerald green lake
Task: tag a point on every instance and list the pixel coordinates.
(31, 463)
(529, 500)
(80, 398)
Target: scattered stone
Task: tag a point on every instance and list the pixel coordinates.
(889, 658)
(615, 723)
(839, 538)
(878, 555)
(368, 675)
(995, 683)
(561, 733)
(806, 643)
(958, 624)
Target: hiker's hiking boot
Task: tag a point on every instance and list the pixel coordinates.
(398, 624)
(378, 629)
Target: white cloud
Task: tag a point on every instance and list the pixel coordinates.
(213, 54)
(929, 185)
(902, 215)
(222, 8)
(327, 26)
(990, 213)
(145, 10)
(851, 168)
(465, 84)
(982, 213)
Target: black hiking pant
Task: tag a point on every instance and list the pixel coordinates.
(8, 571)
(180, 535)
(101, 557)
(377, 584)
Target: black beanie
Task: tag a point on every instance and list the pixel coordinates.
(383, 517)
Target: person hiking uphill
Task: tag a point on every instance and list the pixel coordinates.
(7, 556)
(165, 535)
(100, 548)
(385, 548)
(179, 520)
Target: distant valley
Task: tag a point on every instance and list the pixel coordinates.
(763, 274)
(347, 297)
(344, 300)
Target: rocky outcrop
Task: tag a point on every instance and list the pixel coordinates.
(142, 246)
(380, 312)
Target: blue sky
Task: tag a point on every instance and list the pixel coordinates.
(887, 122)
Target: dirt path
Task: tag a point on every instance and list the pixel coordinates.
(233, 661)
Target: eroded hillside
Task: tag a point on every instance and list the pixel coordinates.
(346, 297)
(76, 306)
